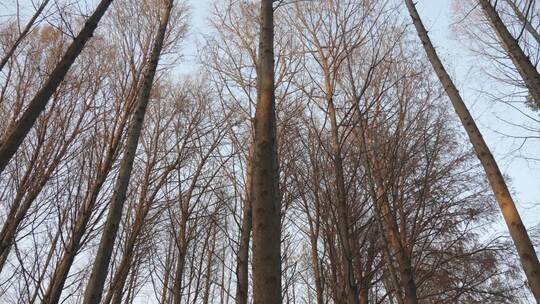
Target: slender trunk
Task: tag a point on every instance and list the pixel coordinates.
(266, 199)
(164, 297)
(242, 261)
(15, 136)
(523, 64)
(210, 261)
(95, 285)
(23, 34)
(365, 282)
(364, 295)
(349, 281)
(178, 273)
(518, 232)
(316, 267)
(54, 290)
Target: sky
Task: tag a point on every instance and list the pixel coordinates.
(524, 176)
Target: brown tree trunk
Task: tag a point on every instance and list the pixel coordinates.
(242, 261)
(94, 289)
(523, 64)
(316, 267)
(349, 281)
(518, 232)
(266, 199)
(179, 269)
(15, 136)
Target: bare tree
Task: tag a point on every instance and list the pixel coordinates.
(23, 34)
(523, 64)
(524, 247)
(94, 288)
(17, 132)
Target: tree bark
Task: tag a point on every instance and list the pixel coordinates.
(266, 199)
(518, 232)
(242, 261)
(349, 281)
(521, 61)
(15, 136)
(94, 289)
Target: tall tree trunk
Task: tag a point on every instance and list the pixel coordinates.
(266, 199)
(316, 266)
(523, 64)
(518, 232)
(242, 261)
(182, 239)
(94, 289)
(349, 281)
(16, 134)
(23, 34)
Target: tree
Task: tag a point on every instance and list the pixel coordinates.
(518, 232)
(94, 288)
(523, 64)
(23, 34)
(266, 199)
(17, 132)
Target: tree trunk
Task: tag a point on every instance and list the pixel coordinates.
(181, 244)
(316, 267)
(242, 261)
(15, 136)
(95, 285)
(390, 228)
(266, 199)
(349, 281)
(518, 232)
(523, 64)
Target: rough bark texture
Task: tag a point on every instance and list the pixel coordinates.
(94, 289)
(14, 137)
(266, 199)
(520, 237)
(523, 64)
(242, 284)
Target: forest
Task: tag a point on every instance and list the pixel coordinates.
(315, 151)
